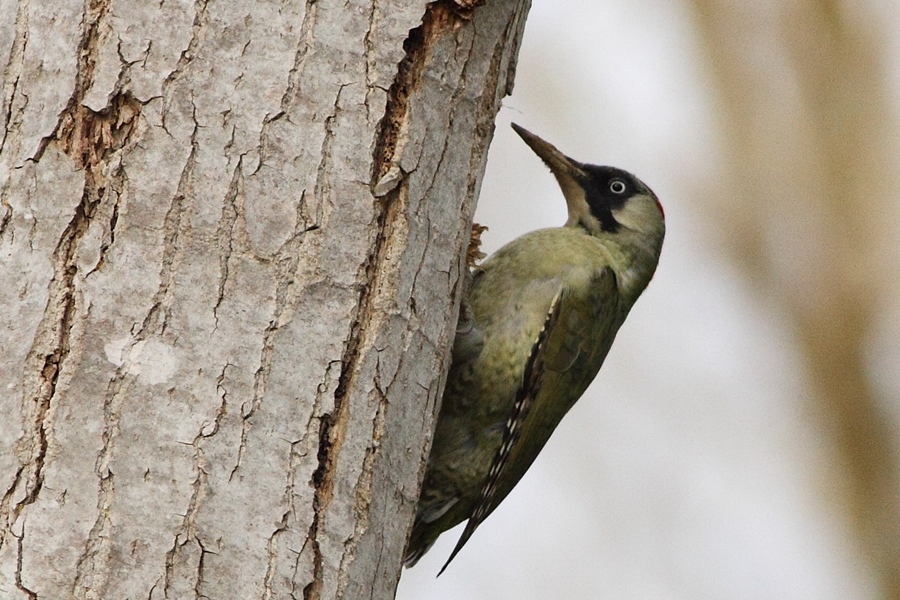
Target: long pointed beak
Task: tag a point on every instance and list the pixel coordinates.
(561, 165)
(569, 174)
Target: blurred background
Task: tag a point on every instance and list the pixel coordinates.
(742, 440)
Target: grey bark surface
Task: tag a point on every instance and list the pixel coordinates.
(231, 237)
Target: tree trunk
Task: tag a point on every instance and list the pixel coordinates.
(231, 237)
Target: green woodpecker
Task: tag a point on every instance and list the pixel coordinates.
(540, 317)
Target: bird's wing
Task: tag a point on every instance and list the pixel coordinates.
(564, 358)
(531, 381)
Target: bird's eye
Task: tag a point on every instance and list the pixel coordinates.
(617, 186)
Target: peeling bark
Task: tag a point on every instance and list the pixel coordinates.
(231, 240)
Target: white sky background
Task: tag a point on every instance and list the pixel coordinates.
(691, 469)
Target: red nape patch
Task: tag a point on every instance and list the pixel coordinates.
(659, 206)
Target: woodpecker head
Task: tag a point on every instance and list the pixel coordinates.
(603, 200)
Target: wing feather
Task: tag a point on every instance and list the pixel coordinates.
(569, 350)
(527, 393)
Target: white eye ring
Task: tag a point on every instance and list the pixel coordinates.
(617, 186)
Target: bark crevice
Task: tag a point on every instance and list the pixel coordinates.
(439, 18)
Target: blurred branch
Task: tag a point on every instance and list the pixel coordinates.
(808, 125)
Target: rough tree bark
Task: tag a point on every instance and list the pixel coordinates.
(230, 247)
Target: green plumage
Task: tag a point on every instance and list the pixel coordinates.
(545, 310)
